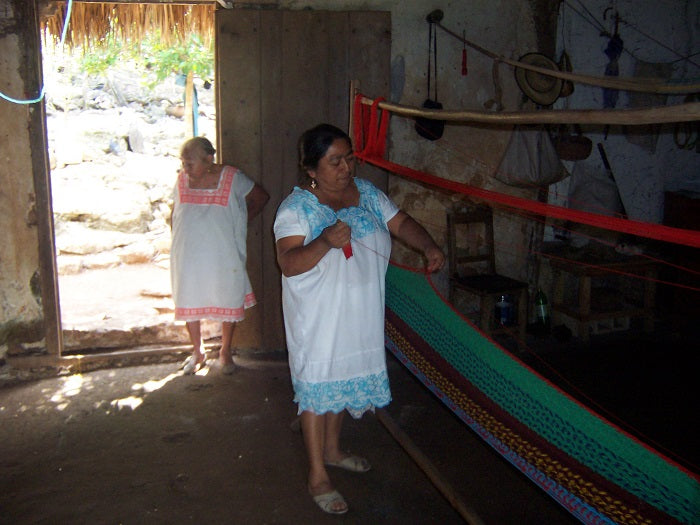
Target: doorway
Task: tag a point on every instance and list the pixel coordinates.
(116, 115)
(276, 74)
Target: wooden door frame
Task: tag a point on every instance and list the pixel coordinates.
(300, 65)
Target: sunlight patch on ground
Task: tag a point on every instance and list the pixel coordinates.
(131, 402)
(135, 401)
(153, 384)
(72, 385)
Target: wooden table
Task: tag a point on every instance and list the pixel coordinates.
(585, 265)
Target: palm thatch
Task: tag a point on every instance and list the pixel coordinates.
(92, 23)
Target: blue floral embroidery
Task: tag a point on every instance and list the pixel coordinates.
(364, 219)
(355, 395)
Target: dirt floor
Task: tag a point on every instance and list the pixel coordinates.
(146, 444)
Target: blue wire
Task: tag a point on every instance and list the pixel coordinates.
(43, 87)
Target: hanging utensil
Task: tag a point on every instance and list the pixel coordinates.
(567, 87)
(464, 54)
(431, 129)
(612, 69)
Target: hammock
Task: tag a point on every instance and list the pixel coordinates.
(593, 469)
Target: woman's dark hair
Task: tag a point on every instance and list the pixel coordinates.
(314, 143)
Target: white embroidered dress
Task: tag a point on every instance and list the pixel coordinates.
(208, 253)
(334, 312)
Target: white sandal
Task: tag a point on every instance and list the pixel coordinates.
(192, 367)
(327, 501)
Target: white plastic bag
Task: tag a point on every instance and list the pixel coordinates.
(530, 159)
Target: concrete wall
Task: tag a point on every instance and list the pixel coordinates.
(645, 160)
(466, 153)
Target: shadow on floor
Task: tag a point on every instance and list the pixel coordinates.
(645, 383)
(145, 444)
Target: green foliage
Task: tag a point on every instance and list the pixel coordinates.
(100, 58)
(160, 59)
(190, 55)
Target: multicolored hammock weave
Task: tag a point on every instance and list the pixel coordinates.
(593, 469)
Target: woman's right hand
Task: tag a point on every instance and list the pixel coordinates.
(337, 235)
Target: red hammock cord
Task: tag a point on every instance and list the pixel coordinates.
(374, 147)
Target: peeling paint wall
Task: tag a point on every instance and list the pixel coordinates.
(20, 309)
(468, 153)
(659, 40)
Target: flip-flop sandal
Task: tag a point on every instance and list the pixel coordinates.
(327, 501)
(351, 463)
(192, 367)
(228, 368)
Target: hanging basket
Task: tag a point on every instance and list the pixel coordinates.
(572, 146)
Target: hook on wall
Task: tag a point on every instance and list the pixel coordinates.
(615, 16)
(435, 17)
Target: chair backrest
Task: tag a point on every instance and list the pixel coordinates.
(478, 252)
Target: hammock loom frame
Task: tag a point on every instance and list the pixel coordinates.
(596, 471)
(369, 136)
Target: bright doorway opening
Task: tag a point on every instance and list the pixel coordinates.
(118, 108)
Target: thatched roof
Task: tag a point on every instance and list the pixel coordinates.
(91, 22)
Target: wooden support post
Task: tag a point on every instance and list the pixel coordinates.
(354, 89)
(189, 104)
(428, 468)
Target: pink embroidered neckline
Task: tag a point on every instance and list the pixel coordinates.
(219, 195)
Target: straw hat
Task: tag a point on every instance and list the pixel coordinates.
(541, 89)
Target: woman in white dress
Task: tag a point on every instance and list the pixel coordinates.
(211, 208)
(333, 238)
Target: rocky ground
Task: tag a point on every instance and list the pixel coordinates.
(114, 151)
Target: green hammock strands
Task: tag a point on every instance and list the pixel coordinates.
(596, 471)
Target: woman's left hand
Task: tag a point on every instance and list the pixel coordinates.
(435, 257)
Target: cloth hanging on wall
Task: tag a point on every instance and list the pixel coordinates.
(530, 159)
(646, 136)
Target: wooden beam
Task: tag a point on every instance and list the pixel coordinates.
(643, 85)
(627, 117)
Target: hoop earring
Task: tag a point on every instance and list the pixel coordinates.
(313, 184)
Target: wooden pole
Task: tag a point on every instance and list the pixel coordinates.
(643, 85)
(189, 104)
(354, 90)
(428, 468)
(627, 117)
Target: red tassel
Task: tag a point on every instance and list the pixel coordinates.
(347, 250)
(464, 62)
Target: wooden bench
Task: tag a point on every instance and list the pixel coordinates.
(586, 265)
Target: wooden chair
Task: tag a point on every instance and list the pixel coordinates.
(473, 270)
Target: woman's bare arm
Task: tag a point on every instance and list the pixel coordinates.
(256, 200)
(296, 258)
(404, 227)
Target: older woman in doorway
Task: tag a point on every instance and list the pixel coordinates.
(333, 238)
(211, 209)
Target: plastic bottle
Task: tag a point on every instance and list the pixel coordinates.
(542, 309)
(503, 310)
